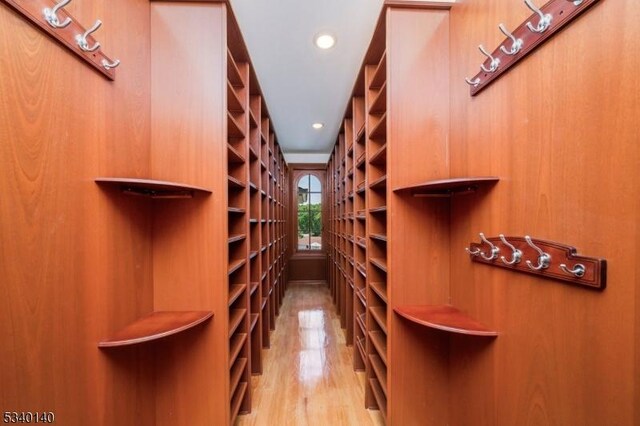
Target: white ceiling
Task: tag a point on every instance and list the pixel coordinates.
(301, 83)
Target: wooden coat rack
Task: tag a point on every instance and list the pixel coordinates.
(546, 259)
(535, 30)
(54, 20)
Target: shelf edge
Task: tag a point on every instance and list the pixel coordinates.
(479, 330)
(203, 316)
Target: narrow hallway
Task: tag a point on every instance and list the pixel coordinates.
(308, 377)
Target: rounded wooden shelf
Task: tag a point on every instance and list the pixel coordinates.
(448, 187)
(445, 318)
(156, 326)
(152, 188)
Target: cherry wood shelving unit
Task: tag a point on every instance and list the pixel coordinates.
(385, 143)
(238, 191)
(257, 215)
(160, 324)
(376, 139)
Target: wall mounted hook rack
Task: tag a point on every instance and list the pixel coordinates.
(535, 30)
(542, 258)
(51, 17)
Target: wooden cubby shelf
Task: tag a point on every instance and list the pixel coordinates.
(234, 103)
(378, 237)
(235, 345)
(254, 124)
(379, 340)
(379, 131)
(379, 314)
(235, 265)
(156, 326)
(235, 318)
(360, 344)
(233, 73)
(236, 238)
(235, 291)
(444, 317)
(380, 288)
(236, 373)
(237, 399)
(379, 209)
(234, 128)
(152, 188)
(254, 320)
(379, 104)
(379, 263)
(379, 183)
(379, 395)
(379, 75)
(380, 156)
(448, 187)
(380, 369)
(234, 155)
(253, 153)
(235, 183)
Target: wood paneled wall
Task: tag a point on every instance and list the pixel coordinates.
(417, 228)
(560, 130)
(188, 135)
(75, 260)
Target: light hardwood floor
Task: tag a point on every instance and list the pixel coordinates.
(308, 376)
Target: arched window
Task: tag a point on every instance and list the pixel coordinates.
(309, 213)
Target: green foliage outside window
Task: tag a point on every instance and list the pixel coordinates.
(310, 220)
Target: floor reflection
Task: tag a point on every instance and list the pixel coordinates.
(313, 341)
(308, 376)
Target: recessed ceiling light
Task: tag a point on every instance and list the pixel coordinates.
(317, 126)
(325, 41)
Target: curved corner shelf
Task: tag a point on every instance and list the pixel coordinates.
(448, 187)
(445, 318)
(152, 188)
(156, 326)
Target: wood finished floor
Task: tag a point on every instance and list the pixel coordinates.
(308, 376)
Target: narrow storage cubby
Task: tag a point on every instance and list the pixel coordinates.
(445, 317)
(376, 141)
(255, 232)
(265, 284)
(159, 324)
(238, 232)
(349, 168)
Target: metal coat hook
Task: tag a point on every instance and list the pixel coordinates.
(543, 23)
(475, 252)
(516, 255)
(577, 271)
(51, 15)
(108, 65)
(516, 43)
(473, 83)
(494, 250)
(495, 62)
(81, 39)
(544, 259)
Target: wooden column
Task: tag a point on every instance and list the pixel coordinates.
(189, 144)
